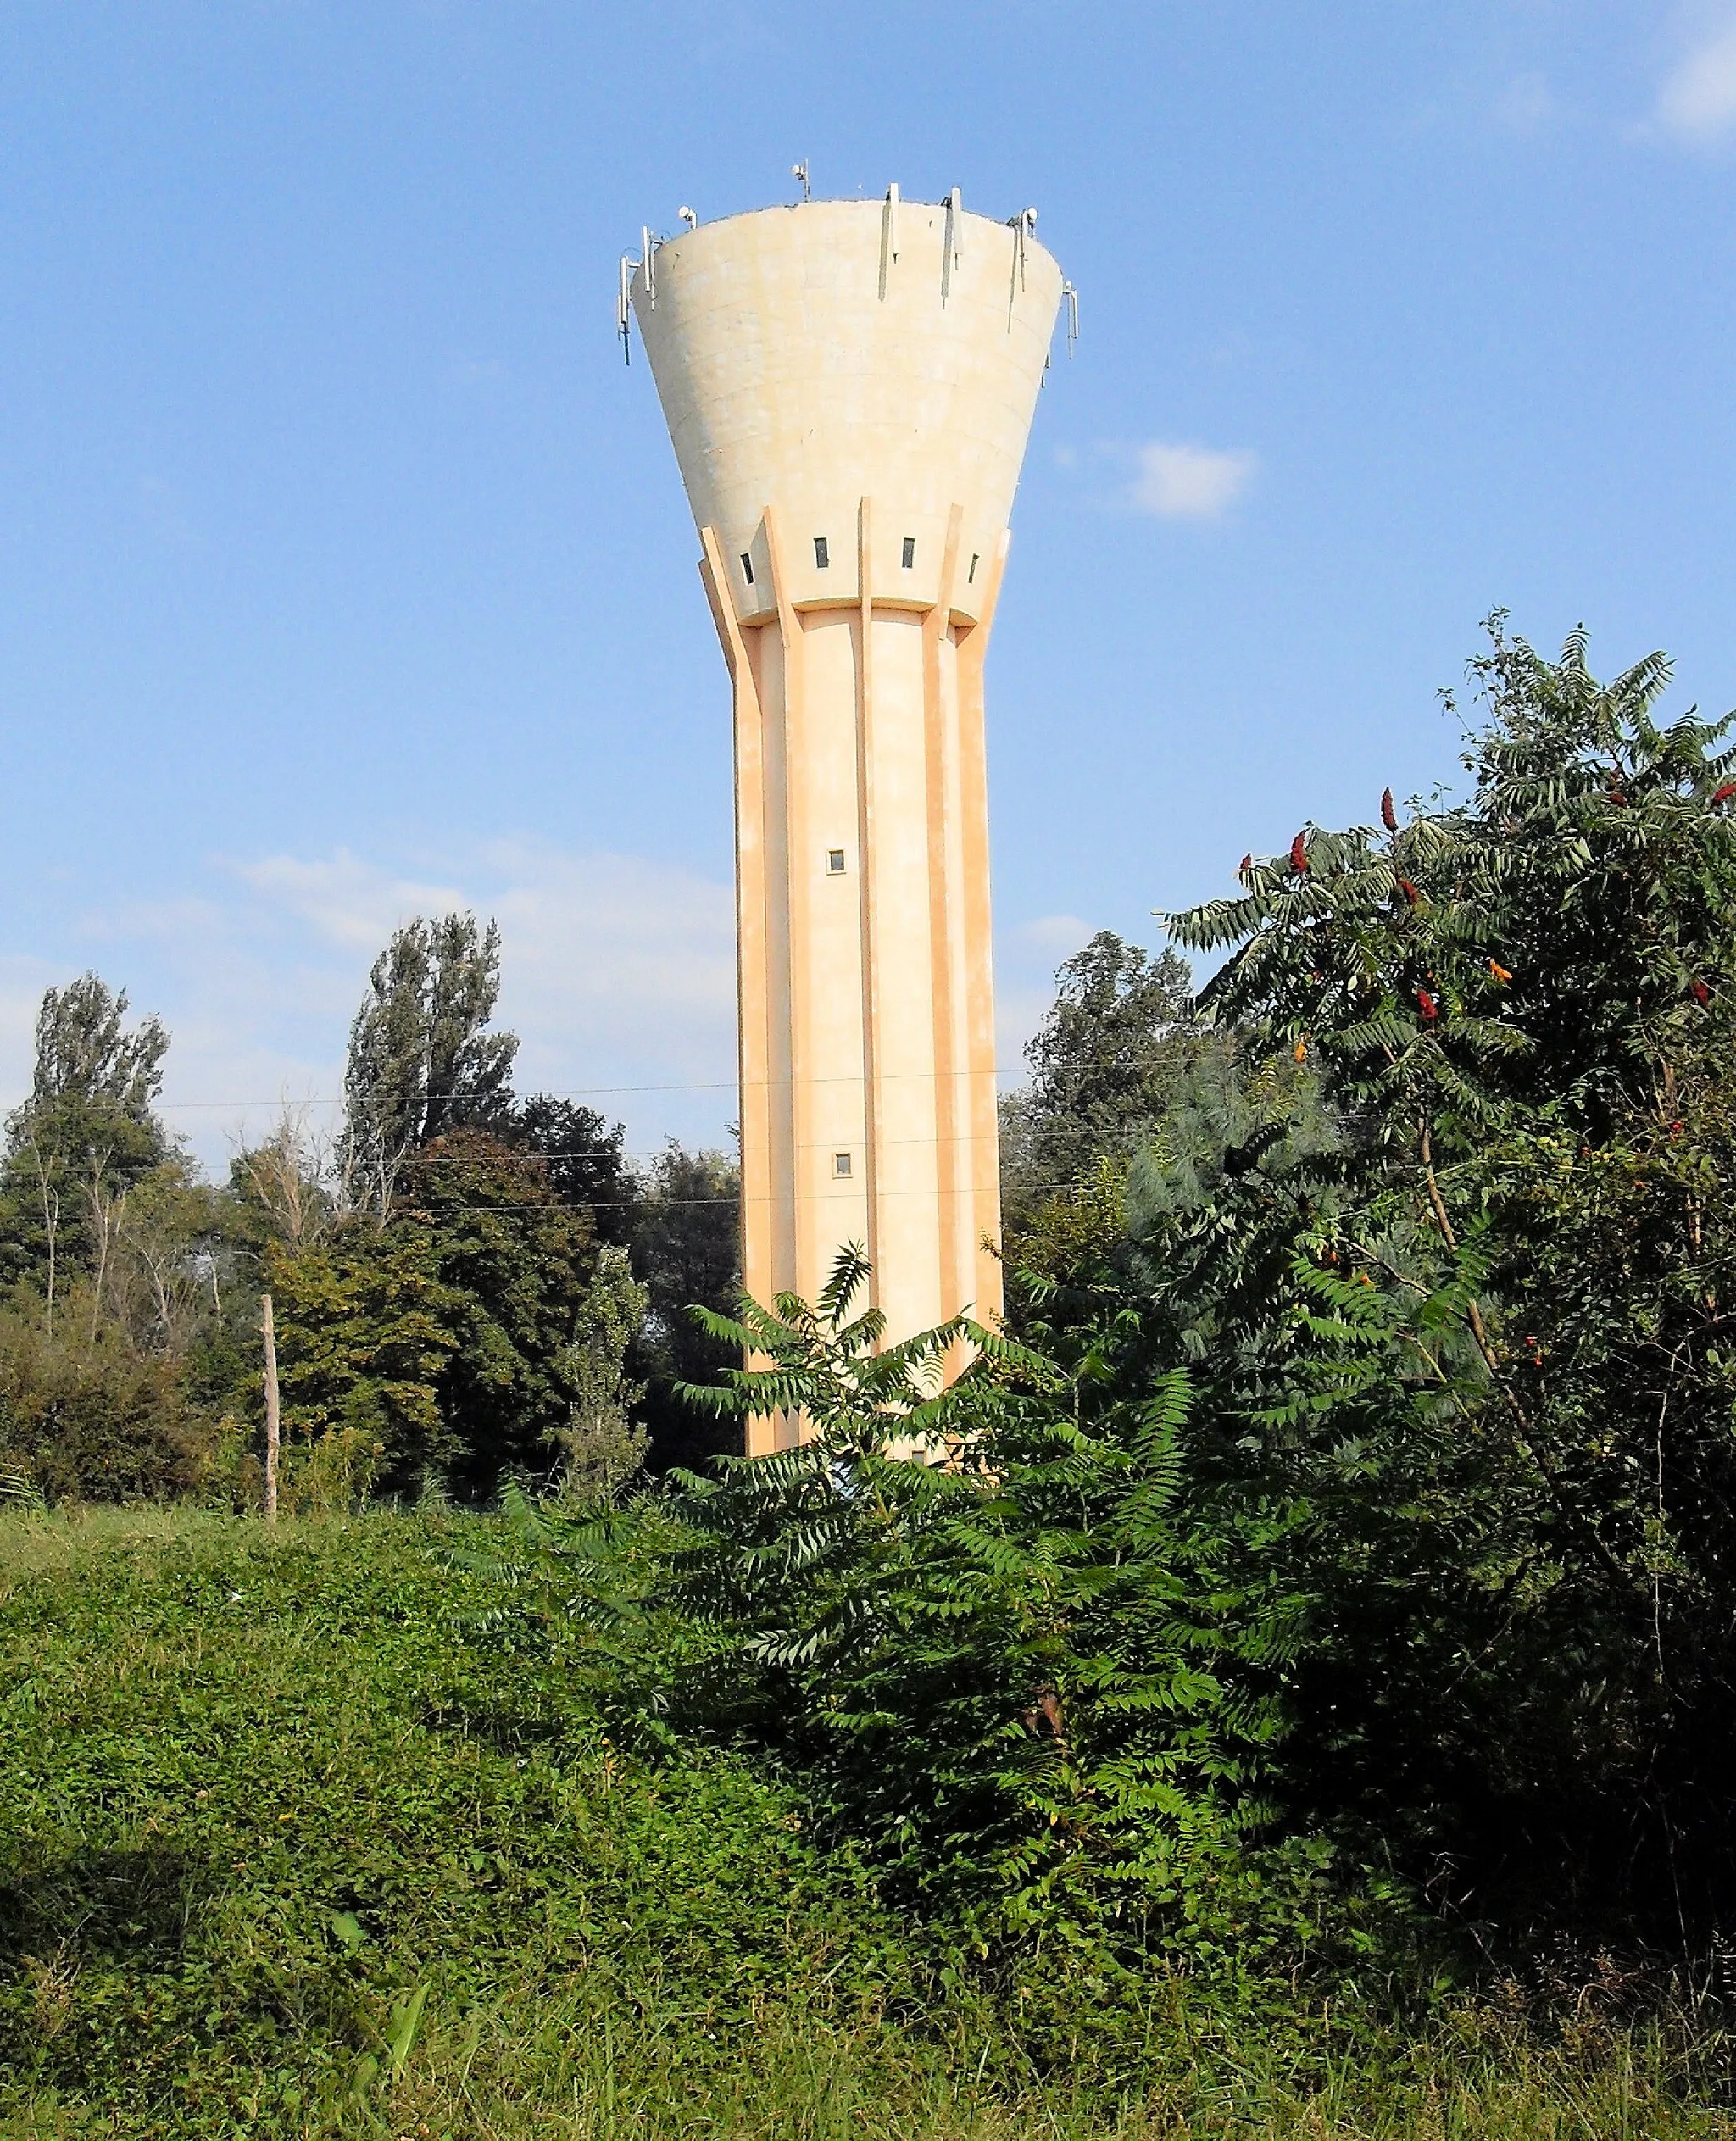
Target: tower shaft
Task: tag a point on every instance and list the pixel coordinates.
(849, 387)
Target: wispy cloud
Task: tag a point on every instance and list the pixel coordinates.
(1697, 102)
(618, 974)
(1183, 482)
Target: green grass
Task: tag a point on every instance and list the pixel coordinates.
(289, 1845)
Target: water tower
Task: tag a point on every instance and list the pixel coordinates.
(848, 386)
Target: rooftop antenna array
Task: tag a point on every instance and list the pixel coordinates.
(647, 261)
(1023, 226)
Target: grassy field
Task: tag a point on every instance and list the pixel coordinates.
(295, 1840)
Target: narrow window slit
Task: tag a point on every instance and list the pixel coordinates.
(821, 557)
(970, 575)
(841, 1165)
(748, 568)
(834, 862)
(909, 552)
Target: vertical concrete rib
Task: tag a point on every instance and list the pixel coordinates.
(799, 863)
(865, 878)
(984, 1111)
(949, 1175)
(754, 1050)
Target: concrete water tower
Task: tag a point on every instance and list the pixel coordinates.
(850, 386)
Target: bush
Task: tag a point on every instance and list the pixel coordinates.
(86, 1418)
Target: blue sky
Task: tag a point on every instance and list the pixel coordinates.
(345, 572)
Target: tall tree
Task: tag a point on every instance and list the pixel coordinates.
(85, 1136)
(84, 1052)
(1108, 1052)
(419, 1061)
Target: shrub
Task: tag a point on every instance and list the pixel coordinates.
(87, 1418)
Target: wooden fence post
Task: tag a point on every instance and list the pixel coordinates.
(273, 1424)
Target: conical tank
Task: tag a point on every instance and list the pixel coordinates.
(849, 387)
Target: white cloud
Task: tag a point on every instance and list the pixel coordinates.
(1050, 937)
(598, 949)
(1698, 100)
(618, 974)
(1182, 482)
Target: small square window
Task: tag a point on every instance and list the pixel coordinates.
(834, 862)
(821, 557)
(841, 1165)
(970, 575)
(909, 552)
(747, 568)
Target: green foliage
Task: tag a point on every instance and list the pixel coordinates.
(364, 1330)
(1445, 1240)
(686, 1248)
(87, 1417)
(515, 1265)
(1002, 1650)
(300, 1837)
(602, 1445)
(583, 1158)
(83, 1053)
(262, 1799)
(447, 1340)
(83, 1139)
(1121, 1028)
(1352, 1521)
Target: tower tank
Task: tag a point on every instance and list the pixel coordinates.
(848, 387)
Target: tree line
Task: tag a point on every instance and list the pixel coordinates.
(1329, 1560)
(467, 1283)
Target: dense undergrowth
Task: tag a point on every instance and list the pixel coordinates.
(303, 1836)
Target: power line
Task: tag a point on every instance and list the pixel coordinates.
(720, 1085)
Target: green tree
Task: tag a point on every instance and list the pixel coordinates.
(686, 1253)
(365, 1331)
(453, 1340)
(582, 1157)
(603, 1445)
(420, 1062)
(1120, 1031)
(999, 1644)
(516, 1265)
(1430, 1255)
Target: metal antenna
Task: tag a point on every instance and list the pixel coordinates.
(689, 217)
(800, 171)
(624, 307)
(649, 266)
(888, 237)
(1072, 298)
(953, 241)
(1023, 226)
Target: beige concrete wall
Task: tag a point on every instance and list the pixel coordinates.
(865, 375)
